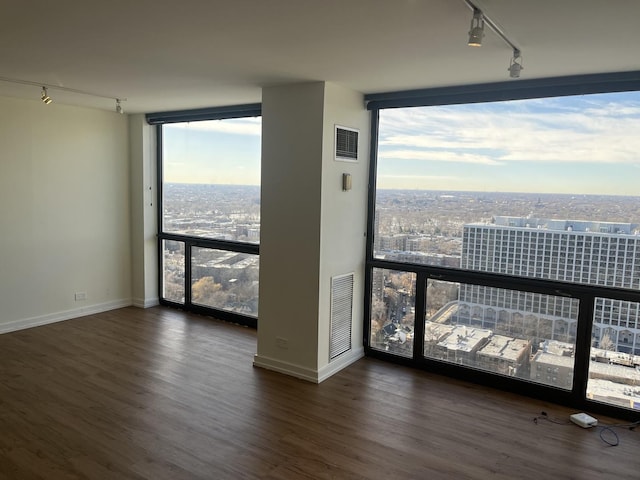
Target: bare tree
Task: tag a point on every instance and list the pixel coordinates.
(606, 343)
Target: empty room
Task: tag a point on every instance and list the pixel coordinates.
(293, 239)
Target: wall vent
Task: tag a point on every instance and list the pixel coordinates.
(346, 144)
(341, 314)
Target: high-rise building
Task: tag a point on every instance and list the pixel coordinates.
(597, 253)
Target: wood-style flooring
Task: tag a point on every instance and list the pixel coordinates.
(162, 394)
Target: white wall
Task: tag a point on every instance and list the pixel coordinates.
(343, 220)
(64, 212)
(290, 227)
(144, 252)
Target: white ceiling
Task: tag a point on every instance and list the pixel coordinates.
(180, 54)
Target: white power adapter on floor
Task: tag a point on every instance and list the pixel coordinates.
(583, 420)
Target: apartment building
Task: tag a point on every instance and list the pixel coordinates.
(588, 252)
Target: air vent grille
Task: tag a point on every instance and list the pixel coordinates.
(346, 144)
(341, 314)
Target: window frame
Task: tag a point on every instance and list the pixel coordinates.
(584, 293)
(158, 120)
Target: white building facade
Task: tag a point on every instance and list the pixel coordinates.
(597, 253)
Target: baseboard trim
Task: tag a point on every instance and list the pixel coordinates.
(304, 373)
(24, 323)
(340, 362)
(146, 302)
(309, 374)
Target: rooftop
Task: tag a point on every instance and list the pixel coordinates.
(505, 347)
(465, 339)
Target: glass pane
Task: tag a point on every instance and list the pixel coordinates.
(509, 332)
(173, 271)
(536, 188)
(225, 280)
(393, 311)
(211, 179)
(614, 369)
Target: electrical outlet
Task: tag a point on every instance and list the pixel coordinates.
(282, 343)
(79, 296)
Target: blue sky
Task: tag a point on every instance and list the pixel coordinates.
(585, 144)
(214, 152)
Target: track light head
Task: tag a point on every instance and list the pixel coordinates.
(476, 31)
(45, 96)
(118, 106)
(516, 65)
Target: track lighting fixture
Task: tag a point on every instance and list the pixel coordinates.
(45, 96)
(516, 64)
(476, 32)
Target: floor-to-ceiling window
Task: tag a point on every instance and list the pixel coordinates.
(505, 236)
(209, 210)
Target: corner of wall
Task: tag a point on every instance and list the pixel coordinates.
(143, 164)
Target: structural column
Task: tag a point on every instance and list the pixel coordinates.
(312, 229)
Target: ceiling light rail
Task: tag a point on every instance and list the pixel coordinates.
(46, 98)
(476, 32)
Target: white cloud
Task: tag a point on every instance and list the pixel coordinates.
(438, 155)
(241, 126)
(543, 130)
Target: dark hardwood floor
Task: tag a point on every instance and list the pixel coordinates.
(161, 394)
